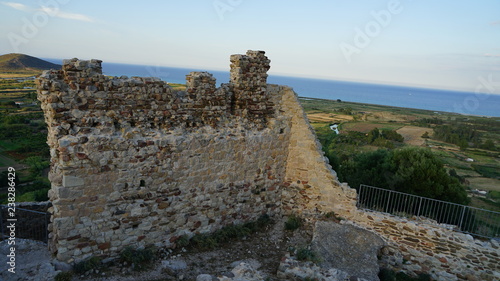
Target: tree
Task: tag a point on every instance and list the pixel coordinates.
(489, 145)
(373, 135)
(36, 164)
(413, 170)
(419, 171)
(425, 135)
(369, 168)
(463, 144)
(392, 135)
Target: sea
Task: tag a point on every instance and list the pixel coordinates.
(468, 103)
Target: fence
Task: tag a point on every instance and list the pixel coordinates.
(29, 224)
(474, 221)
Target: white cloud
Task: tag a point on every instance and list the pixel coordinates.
(65, 15)
(53, 12)
(492, 55)
(18, 6)
(495, 23)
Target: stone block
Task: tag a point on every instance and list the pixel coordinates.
(72, 181)
(347, 248)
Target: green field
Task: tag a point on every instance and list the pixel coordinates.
(482, 172)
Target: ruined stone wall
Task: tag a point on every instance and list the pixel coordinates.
(135, 163)
(419, 245)
(311, 186)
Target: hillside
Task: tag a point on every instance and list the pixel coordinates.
(22, 64)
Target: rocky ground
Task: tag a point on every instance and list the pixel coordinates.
(260, 253)
(327, 249)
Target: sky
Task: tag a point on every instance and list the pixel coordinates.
(432, 44)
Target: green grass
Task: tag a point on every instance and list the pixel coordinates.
(487, 171)
(9, 145)
(494, 194)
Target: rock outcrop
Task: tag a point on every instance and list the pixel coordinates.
(347, 248)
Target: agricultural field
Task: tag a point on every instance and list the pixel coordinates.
(23, 136)
(472, 153)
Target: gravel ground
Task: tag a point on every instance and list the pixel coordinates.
(32, 261)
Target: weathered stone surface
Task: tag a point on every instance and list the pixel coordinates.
(347, 248)
(72, 181)
(291, 269)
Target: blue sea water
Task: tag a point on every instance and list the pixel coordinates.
(400, 96)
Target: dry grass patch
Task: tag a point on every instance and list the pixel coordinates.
(328, 117)
(413, 134)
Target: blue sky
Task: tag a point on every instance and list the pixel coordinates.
(436, 44)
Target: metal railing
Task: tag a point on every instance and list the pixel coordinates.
(474, 221)
(28, 224)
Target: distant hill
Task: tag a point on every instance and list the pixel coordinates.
(23, 64)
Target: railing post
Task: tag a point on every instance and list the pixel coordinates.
(359, 195)
(388, 200)
(419, 206)
(462, 217)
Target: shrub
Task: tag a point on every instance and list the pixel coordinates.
(64, 276)
(86, 265)
(204, 241)
(139, 258)
(293, 222)
(305, 254)
(183, 241)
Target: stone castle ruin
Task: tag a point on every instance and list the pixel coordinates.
(134, 162)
